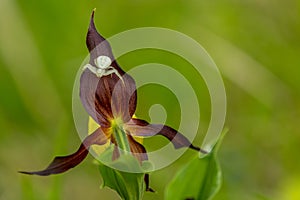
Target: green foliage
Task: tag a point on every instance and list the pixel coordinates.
(42, 48)
(27, 189)
(129, 186)
(127, 162)
(200, 179)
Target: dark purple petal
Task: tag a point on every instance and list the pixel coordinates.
(96, 44)
(137, 149)
(61, 164)
(146, 179)
(117, 98)
(99, 46)
(138, 127)
(116, 152)
(108, 97)
(88, 86)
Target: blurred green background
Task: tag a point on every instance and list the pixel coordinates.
(256, 45)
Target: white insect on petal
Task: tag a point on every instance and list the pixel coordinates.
(103, 67)
(90, 67)
(103, 62)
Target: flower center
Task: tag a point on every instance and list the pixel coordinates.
(120, 135)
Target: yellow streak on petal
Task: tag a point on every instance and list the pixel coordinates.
(138, 139)
(92, 126)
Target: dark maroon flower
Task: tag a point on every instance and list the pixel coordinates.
(109, 96)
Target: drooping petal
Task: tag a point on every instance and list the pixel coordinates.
(142, 128)
(116, 152)
(107, 97)
(61, 164)
(137, 149)
(147, 183)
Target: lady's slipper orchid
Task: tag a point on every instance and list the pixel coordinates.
(109, 96)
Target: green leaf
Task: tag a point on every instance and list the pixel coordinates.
(130, 186)
(126, 162)
(200, 179)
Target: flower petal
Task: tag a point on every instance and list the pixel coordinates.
(142, 128)
(137, 149)
(139, 127)
(96, 44)
(61, 164)
(107, 97)
(116, 97)
(88, 86)
(116, 152)
(146, 179)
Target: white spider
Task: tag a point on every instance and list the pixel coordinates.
(103, 67)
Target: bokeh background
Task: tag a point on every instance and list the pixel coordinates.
(256, 45)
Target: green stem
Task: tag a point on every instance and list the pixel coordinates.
(121, 139)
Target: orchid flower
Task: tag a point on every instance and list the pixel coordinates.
(109, 96)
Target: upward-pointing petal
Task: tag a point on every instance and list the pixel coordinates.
(96, 44)
(99, 46)
(106, 97)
